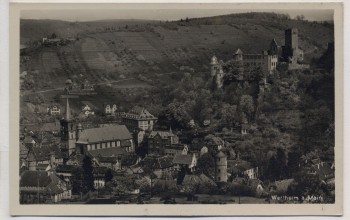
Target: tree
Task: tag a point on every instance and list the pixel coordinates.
(53, 35)
(108, 175)
(88, 176)
(246, 106)
(206, 164)
(229, 115)
(281, 162)
(77, 180)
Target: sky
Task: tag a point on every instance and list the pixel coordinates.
(162, 14)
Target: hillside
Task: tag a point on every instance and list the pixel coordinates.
(152, 51)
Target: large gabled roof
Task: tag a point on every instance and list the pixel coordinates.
(43, 152)
(139, 113)
(103, 134)
(157, 162)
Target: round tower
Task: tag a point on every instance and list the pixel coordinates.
(221, 167)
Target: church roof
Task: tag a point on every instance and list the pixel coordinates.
(102, 134)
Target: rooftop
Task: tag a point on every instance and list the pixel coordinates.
(102, 134)
(183, 159)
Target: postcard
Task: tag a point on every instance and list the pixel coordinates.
(176, 109)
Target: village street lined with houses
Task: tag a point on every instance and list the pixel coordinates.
(232, 109)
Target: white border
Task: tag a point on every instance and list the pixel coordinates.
(4, 134)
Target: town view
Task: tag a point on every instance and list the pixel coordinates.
(228, 109)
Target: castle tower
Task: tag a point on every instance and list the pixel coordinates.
(291, 38)
(214, 66)
(291, 46)
(221, 167)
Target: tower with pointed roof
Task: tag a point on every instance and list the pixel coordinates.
(68, 133)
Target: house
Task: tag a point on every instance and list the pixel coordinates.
(51, 127)
(87, 110)
(185, 160)
(244, 128)
(240, 168)
(175, 149)
(116, 136)
(257, 187)
(42, 187)
(322, 170)
(46, 154)
(109, 157)
(110, 109)
(252, 172)
(160, 166)
(65, 172)
(280, 187)
(214, 141)
(54, 110)
(99, 177)
(157, 140)
(200, 180)
(139, 118)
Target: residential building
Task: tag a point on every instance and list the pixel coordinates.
(87, 110)
(54, 110)
(160, 166)
(158, 140)
(109, 157)
(110, 109)
(175, 149)
(139, 118)
(42, 187)
(185, 160)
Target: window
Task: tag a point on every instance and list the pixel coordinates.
(218, 170)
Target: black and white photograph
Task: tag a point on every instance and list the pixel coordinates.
(201, 105)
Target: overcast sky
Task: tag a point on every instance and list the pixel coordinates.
(161, 14)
